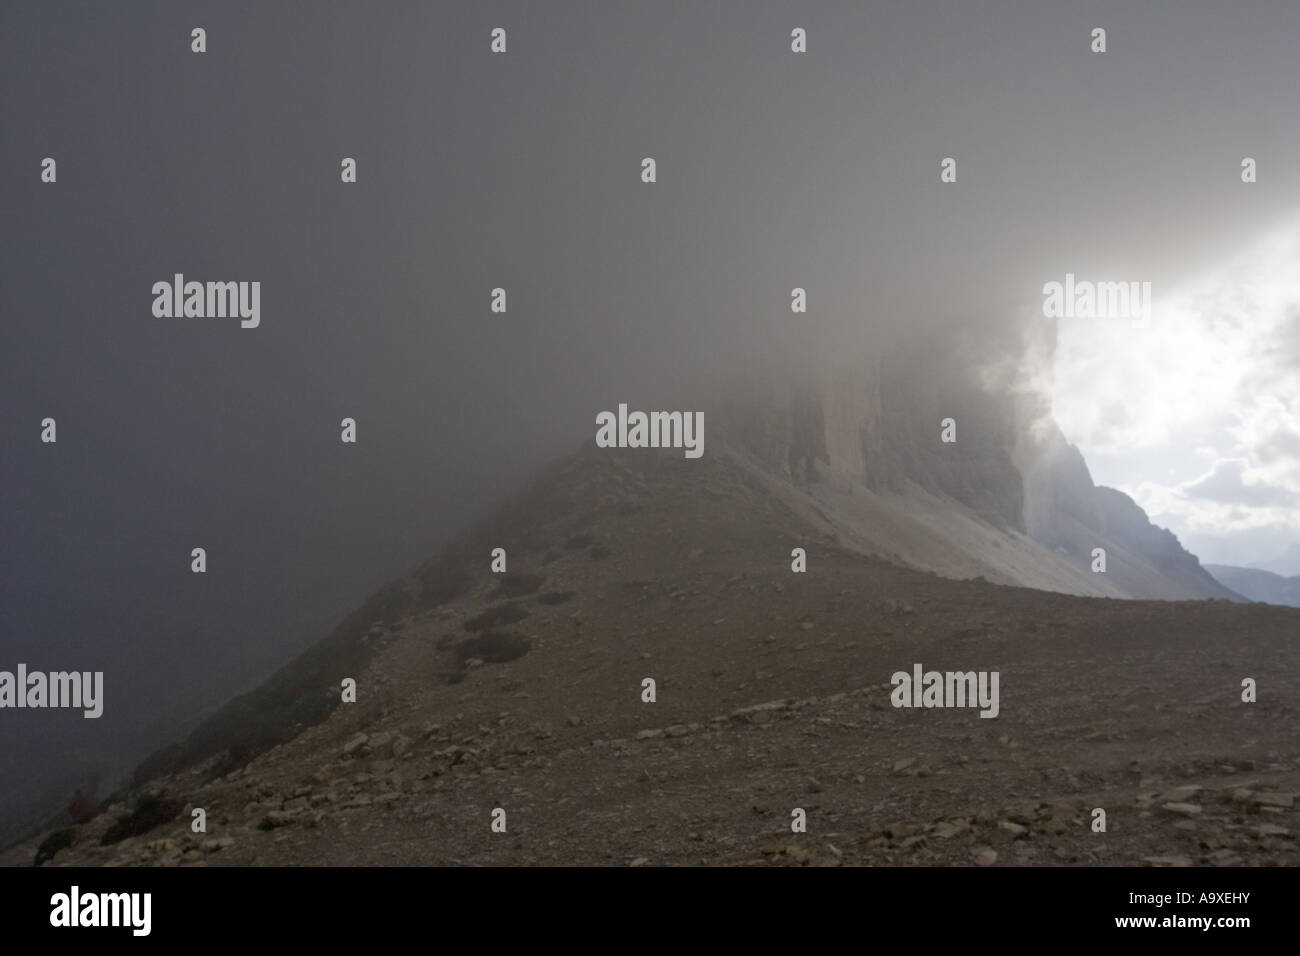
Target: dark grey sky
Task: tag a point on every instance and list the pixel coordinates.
(522, 170)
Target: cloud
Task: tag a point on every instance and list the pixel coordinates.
(1214, 375)
(1283, 444)
(1226, 483)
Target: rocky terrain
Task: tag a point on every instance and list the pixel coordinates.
(523, 691)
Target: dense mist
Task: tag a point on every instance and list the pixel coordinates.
(522, 172)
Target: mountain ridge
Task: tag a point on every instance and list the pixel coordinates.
(858, 467)
(524, 691)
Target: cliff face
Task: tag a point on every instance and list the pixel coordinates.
(1010, 499)
(878, 429)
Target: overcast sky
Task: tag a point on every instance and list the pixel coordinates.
(775, 170)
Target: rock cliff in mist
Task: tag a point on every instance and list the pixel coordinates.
(1010, 500)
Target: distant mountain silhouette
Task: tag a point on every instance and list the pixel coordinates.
(1286, 564)
(1258, 585)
